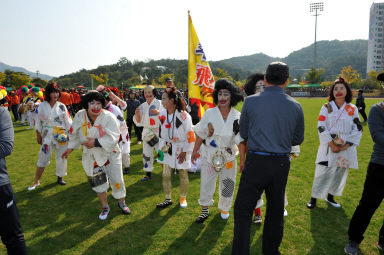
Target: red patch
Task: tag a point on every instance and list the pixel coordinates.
(322, 118)
(162, 119)
(71, 130)
(168, 125)
(151, 122)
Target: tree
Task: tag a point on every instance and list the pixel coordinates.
(162, 77)
(39, 82)
(314, 75)
(350, 76)
(326, 84)
(19, 79)
(221, 73)
(3, 76)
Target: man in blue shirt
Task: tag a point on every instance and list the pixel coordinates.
(271, 122)
(10, 229)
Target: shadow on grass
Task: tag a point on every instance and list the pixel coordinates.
(329, 228)
(190, 242)
(132, 238)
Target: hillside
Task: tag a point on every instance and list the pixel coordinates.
(4, 67)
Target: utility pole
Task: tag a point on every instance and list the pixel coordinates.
(316, 8)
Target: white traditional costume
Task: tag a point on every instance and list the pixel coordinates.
(124, 141)
(101, 164)
(33, 111)
(176, 136)
(341, 126)
(219, 156)
(53, 123)
(150, 133)
(23, 109)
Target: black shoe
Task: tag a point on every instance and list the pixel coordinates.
(165, 204)
(312, 203)
(60, 181)
(126, 170)
(332, 201)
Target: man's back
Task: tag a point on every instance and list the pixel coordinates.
(272, 121)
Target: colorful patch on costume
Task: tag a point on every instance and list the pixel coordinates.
(146, 159)
(69, 115)
(229, 165)
(62, 107)
(120, 118)
(329, 107)
(350, 110)
(183, 115)
(168, 125)
(236, 127)
(213, 143)
(358, 124)
(145, 165)
(101, 131)
(162, 119)
(229, 187)
(45, 148)
(71, 130)
(160, 155)
(117, 185)
(152, 107)
(191, 137)
(178, 122)
(321, 129)
(229, 150)
(175, 139)
(84, 127)
(211, 130)
(322, 118)
(152, 122)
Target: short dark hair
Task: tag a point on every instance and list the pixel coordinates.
(223, 83)
(250, 85)
(340, 80)
(277, 73)
(93, 95)
(174, 94)
(51, 87)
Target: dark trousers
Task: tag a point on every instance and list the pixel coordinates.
(373, 194)
(10, 229)
(261, 173)
(137, 129)
(14, 111)
(362, 112)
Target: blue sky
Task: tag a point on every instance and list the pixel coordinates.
(58, 37)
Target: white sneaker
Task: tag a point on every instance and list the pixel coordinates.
(32, 187)
(104, 213)
(224, 216)
(333, 204)
(183, 203)
(285, 212)
(29, 128)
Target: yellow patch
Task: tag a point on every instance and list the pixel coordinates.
(117, 185)
(229, 165)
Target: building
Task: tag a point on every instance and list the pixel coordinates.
(375, 56)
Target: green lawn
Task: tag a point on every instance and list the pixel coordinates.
(64, 219)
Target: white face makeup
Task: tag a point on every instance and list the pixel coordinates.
(260, 86)
(148, 94)
(224, 97)
(94, 107)
(339, 92)
(54, 96)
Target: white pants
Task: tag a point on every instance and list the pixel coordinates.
(24, 117)
(125, 147)
(227, 181)
(114, 178)
(329, 180)
(31, 118)
(148, 156)
(45, 154)
(260, 202)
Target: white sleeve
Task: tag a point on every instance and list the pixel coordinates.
(189, 142)
(112, 133)
(201, 128)
(357, 131)
(74, 131)
(324, 134)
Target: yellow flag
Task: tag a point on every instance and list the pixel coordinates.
(200, 78)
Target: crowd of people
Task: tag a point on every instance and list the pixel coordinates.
(266, 135)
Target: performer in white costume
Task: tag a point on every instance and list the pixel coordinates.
(176, 144)
(219, 129)
(52, 126)
(98, 130)
(340, 132)
(23, 109)
(36, 99)
(117, 106)
(147, 116)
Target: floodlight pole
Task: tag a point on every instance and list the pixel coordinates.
(316, 7)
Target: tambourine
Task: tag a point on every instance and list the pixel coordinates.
(218, 161)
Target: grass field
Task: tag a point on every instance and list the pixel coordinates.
(64, 219)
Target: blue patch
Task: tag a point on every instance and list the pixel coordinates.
(213, 144)
(145, 165)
